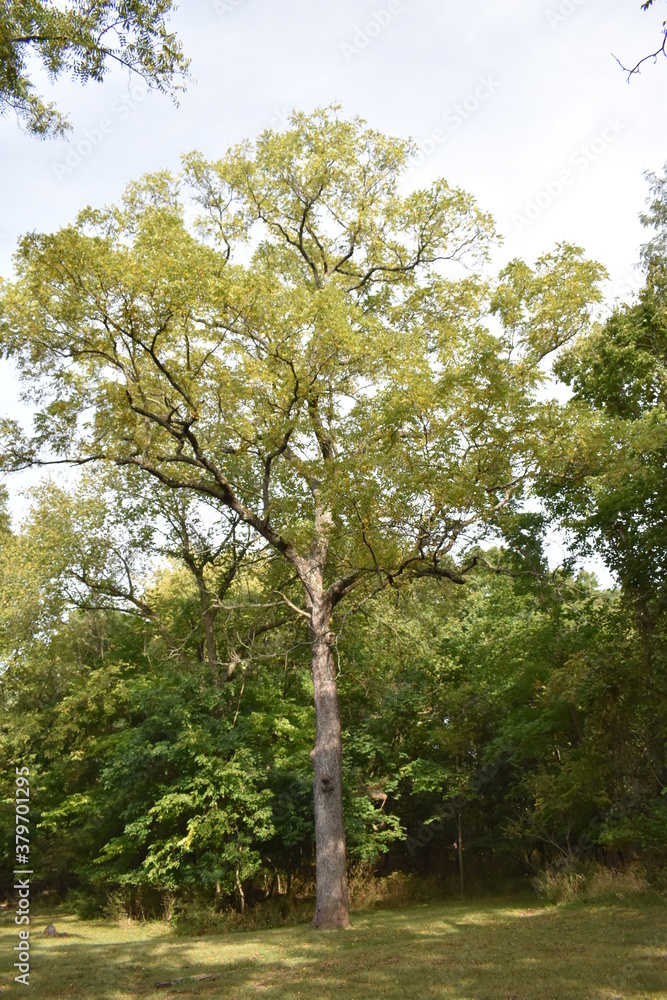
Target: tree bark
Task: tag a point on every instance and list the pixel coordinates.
(241, 893)
(459, 851)
(331, 908)
(208, 614)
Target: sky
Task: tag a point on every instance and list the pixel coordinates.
(520, 103)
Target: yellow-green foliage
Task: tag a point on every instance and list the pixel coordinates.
(592, 883)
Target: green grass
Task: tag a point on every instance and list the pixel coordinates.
(478, 951)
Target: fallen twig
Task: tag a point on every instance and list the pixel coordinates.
(181, 979)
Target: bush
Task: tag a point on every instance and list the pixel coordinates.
(559, 885)
(85, 903)
(605, 883)
(196, 917)
(591, 883)
(366, 890)
(121, 904)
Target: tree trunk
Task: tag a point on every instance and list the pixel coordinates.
(331, 909)
(209, 615)
(459, 850)
(241, 893)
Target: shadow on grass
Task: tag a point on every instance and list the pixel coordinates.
(455, 952)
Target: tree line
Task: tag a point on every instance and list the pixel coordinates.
(310, 448)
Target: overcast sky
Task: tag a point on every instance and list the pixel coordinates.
(521, 103)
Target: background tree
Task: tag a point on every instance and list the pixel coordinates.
(618, 372)
(156, 781)
(300, 358)
(116, 528)
(82, 39)
(652, 55)
(610, 493)
(511, 724)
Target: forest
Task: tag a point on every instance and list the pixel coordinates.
(294, 622)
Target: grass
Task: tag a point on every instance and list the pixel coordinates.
(497, 950)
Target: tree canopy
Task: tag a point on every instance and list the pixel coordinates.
(299, 358)
(82, 39)
(619, 380)
(288, 336)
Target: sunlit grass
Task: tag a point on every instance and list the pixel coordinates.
(477, 951)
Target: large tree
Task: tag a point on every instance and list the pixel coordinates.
(82, 38)
(611, 491)
(309, 354)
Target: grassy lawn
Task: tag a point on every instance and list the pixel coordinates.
(478, 951)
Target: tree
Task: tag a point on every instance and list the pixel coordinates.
(300, 356)
(611, 491)
(153, 779)
(660, 51)
(113, 528)
(157, 781)
(83, 39)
